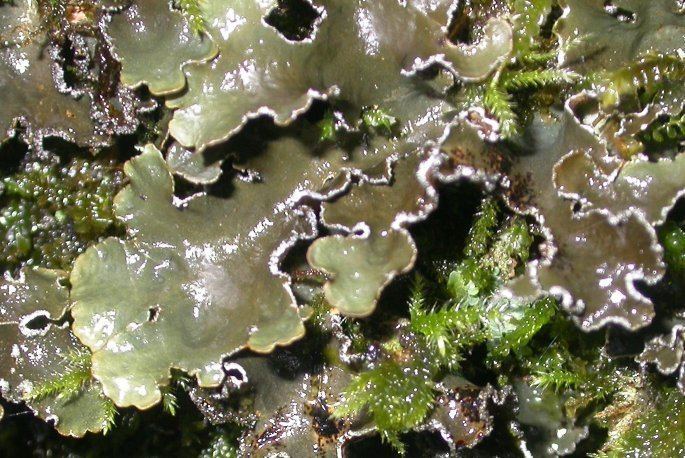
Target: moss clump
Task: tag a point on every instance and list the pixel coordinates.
(493, 250)
(445, 331)
(397, 398)
(447, 321)
(648, 427)
(672, 238)
(527, 82)
(496, 248)
(51, 213)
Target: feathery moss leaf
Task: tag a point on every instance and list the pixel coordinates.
(397, 398)
(501, 105)
(536, 79)
(483, 229)
(67, 384)
(555, 370)
(534, 317)
(110, 415)
(537, 58)
(448, 330)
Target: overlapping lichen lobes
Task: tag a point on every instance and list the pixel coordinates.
(642, 187)
(30, 96)
(543, 409)
(408, 108)
(181, 292)
(52, 212)
(153, 43)
(258, 71)
(600, 253)
(33, 353)
(598, 250)
(590, 29)
(362, 265)
(290, 428)
(184, 163)
(666, 351)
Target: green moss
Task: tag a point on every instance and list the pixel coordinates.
(536, 79)
(501, 105)
(522, 328)
(71, 382)
(397, 399)
(320, 310)
(179, 382)
(665, 132)
(193, 13)
(527, 82)
(51, 213)
(574, 367)
(492, 254)
(68, 384)
(556, 369)
(446, 331)
(672, 238)
(470, 280)
(378, 120)
(483, 229)
(658, 430)
(442, 332)
(494, 250)
(512, 248)
(327, 127)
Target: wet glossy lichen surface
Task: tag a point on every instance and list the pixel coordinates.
(342, 227)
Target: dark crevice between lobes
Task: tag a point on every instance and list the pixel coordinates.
(469, 18)
(68, 57)
(12, 154)
(622, 14)
(294, 19)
